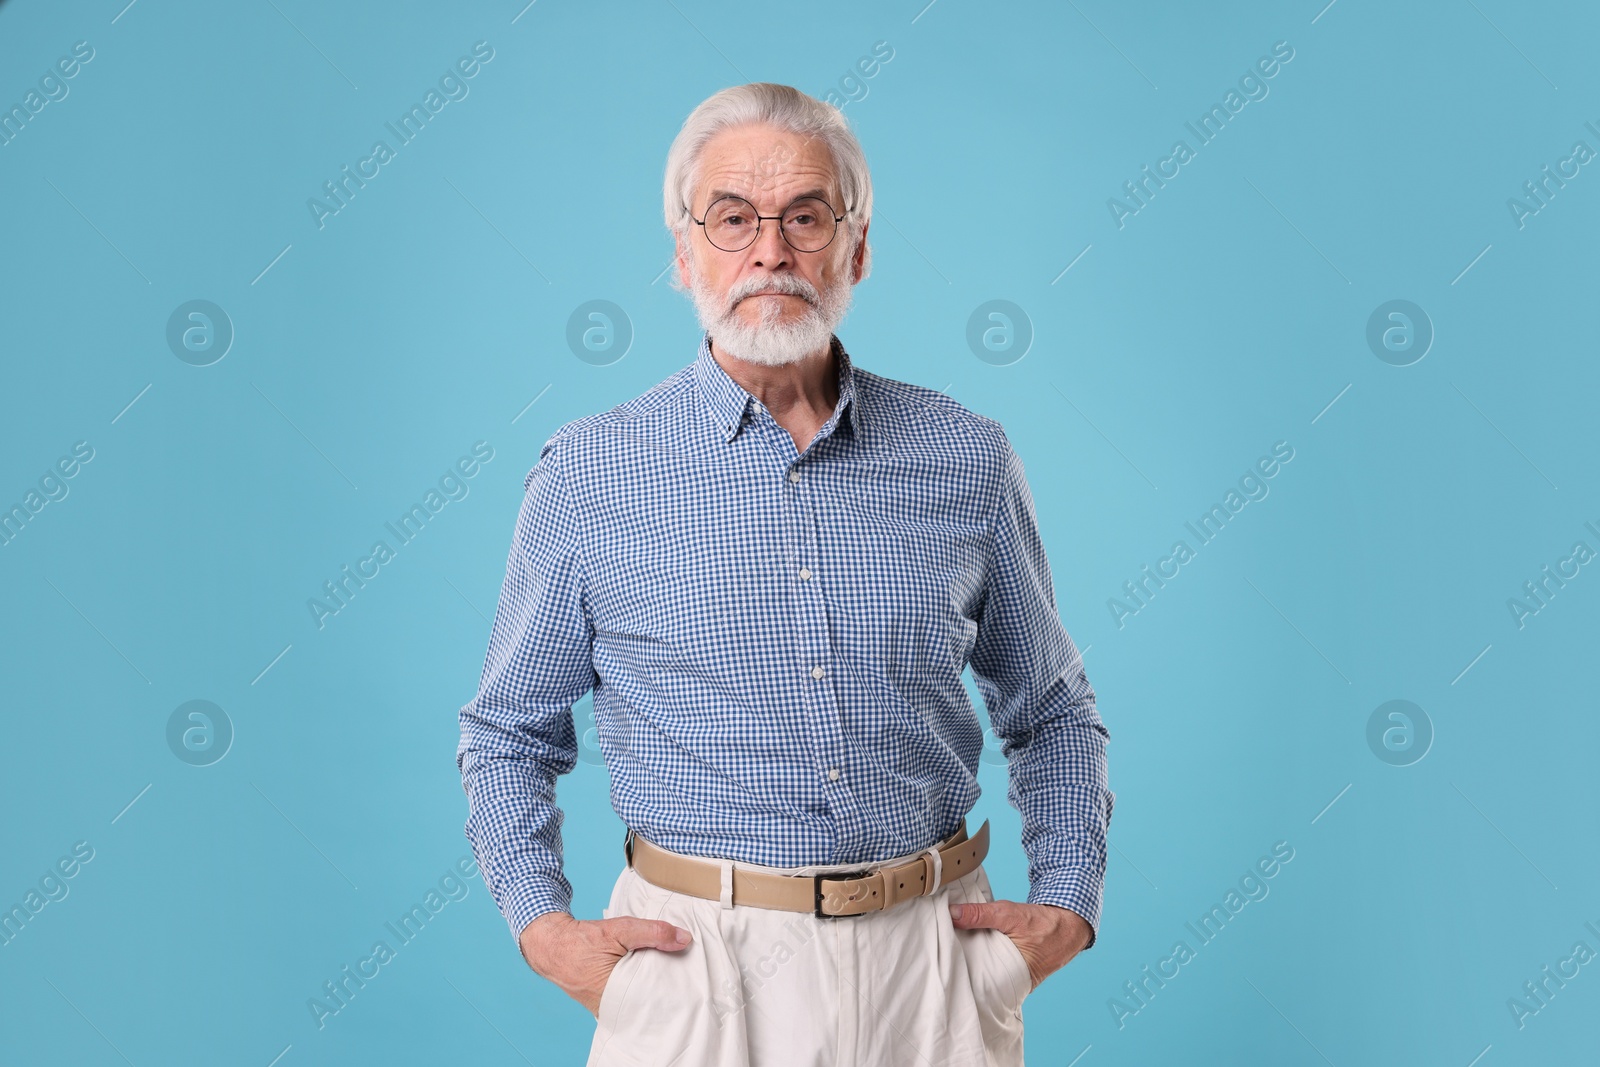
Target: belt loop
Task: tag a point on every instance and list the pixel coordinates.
(727, 883)
(938, 870)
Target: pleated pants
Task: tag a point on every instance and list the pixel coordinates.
(763, 988)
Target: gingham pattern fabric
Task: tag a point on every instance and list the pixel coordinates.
(776, 639)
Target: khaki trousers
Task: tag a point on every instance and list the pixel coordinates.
(763, 988)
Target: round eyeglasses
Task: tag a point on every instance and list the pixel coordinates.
(732, 224)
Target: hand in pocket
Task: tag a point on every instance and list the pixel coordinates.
(578, 955)
(1047, 936)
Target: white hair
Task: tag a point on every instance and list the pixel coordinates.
(783, 107)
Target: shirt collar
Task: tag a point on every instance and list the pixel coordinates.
(729, 400)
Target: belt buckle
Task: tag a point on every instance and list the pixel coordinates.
(847, 876)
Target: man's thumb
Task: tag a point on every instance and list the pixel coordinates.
(967, 916)
(652, 933)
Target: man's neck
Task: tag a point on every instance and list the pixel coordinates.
(805, 391)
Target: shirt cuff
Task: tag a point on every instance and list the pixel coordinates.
(1075, 889)
(530, 900)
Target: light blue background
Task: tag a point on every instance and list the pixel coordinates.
(1229, 314)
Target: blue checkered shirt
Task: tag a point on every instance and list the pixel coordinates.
(775, 640)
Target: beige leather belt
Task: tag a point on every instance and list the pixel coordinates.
(827, 896)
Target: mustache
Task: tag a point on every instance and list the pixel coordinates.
(777, 283)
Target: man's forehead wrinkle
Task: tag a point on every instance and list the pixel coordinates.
(755, 165)
(764, 162)
(751, 182)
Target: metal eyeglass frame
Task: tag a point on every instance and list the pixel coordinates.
(759, 218)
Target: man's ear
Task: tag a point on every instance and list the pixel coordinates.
(859, 261)
(681, 259)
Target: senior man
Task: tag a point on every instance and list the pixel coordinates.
(772, 568)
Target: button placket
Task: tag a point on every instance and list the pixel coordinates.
(812, 622)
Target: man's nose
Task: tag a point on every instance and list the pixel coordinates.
(770, 249)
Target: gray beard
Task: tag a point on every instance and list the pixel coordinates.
(770, 341)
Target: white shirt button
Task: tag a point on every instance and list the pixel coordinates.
(833, 774)
(805, 574)
(816, 672)
(794, 475)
